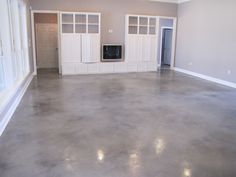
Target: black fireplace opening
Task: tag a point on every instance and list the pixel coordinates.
(112, 53)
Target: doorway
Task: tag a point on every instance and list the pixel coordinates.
(166, 40)
(46, 31)
(166, 48)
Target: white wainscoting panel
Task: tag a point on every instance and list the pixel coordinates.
(74, 68)
(82, 68)
(132, 67)
(120, 67)
(69, 68)
(106, 68)
(93, 68)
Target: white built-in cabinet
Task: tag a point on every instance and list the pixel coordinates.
(141, 40)
(81, 47)
(80, 39)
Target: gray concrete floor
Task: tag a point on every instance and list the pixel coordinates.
(162, 124)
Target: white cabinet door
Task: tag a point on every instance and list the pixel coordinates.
(146, 47)
(131, 53)
(86, 48)
(90, 48)
(153, 48)
(149, 48)
(139, 48)
(95, 48)
(71, 47)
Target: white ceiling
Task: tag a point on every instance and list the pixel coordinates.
(171, 1)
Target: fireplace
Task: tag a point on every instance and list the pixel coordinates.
(111, 53)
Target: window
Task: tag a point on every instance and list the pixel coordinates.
(20, 53)
(24, 39)
(14, 49)
(3, 39)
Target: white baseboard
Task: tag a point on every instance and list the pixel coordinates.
(18, 94)
(208, 78)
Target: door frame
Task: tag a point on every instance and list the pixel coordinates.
(34, 37)
(174, 35)
(161, 42)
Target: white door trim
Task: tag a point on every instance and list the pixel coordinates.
(173, 43)
(34, 37)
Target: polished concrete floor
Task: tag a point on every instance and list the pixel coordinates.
(162, 124)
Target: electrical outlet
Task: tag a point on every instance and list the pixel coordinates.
(110, 31)
(190, 63)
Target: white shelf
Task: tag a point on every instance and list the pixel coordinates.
(80, 23)
(67, 23)
(133, 24)
(95, 24)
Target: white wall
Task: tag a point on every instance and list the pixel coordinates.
(206, 39)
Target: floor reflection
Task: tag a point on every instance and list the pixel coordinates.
(159, 145)
(100, 155)
(187, 172)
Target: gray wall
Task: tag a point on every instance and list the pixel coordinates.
(113, 12)
(206, 40)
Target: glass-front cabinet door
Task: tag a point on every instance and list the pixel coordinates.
(67, 23)
(143, 25)
(80, 23)
(152, 25)
(133, 25)
(93, 23)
